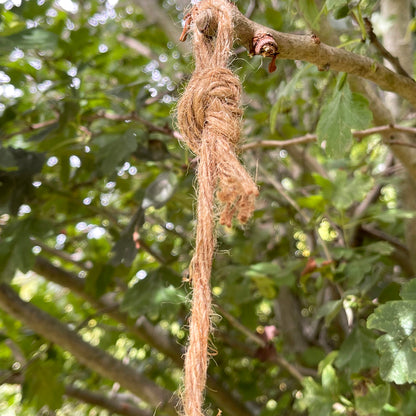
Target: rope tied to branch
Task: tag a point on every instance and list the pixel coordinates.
(209, 118)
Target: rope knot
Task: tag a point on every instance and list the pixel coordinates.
(209, 113)
(211, 100)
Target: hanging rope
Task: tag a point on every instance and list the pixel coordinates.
(209, 117)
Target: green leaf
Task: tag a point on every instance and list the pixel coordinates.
(238, 290)
(383, 248)
(7, 161)
(42, 385)
(328, 360)
(115, 150)
(374, 401)
(157, 294)
(98, 279)
(333, 4)
(409, 404)
(265, 286)
(408, 290)
(312, 201)
(330, 379)
(16, 246)
(310, 12)
(343, 112)
(287, 93)
(16, 183)
(315, 399)
(266, 276)
(35, 38)
(269, 269)
(349, 189)
(398, 346)
(341, 12)
(358, 351)
(392, 215)
(329, 310)
(356, 269)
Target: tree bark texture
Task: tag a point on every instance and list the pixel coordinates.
(92, 357)
(398, 14)
(141, 328)
(308, 48)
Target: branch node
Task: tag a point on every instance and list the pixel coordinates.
(325, 67)
(264, 44)
(315, 39)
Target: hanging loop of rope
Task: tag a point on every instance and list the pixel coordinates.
(209, 118)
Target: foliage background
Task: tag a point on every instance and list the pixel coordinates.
(315, 297)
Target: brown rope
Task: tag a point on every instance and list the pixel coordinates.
(209, 117)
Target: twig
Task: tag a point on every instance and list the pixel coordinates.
(61, 254)
(103, 115)
(133, 116)
(384, 52)
(291, 369)
(250, 8)
(279, 188)
(137, 46)
(309, 138)
(110, 402)
(31, 127)
(280, 143)
(381, 235)
(400, 143)
(152, 252)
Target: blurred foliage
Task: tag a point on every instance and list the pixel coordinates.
(94, 181)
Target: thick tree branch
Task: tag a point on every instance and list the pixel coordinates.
(143, 329)
(114, 404)
(92, 357)
(310, 49)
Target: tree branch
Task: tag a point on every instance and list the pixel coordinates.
(92, 357)
(156, 14)
(308, 138)
(383, 51)
(111, 403)
(143, 329)
(311, 49)
(279, 360)
(138, 47)
(114, 404)
(103, 115)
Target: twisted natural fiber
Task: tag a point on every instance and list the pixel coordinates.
(209, 118)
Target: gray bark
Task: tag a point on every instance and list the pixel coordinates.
(92, 357)
(398, 14)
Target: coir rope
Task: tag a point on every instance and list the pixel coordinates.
(209, 117)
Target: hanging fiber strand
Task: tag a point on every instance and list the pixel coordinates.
(209, 117)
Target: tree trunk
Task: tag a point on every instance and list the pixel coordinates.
(398, 14)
